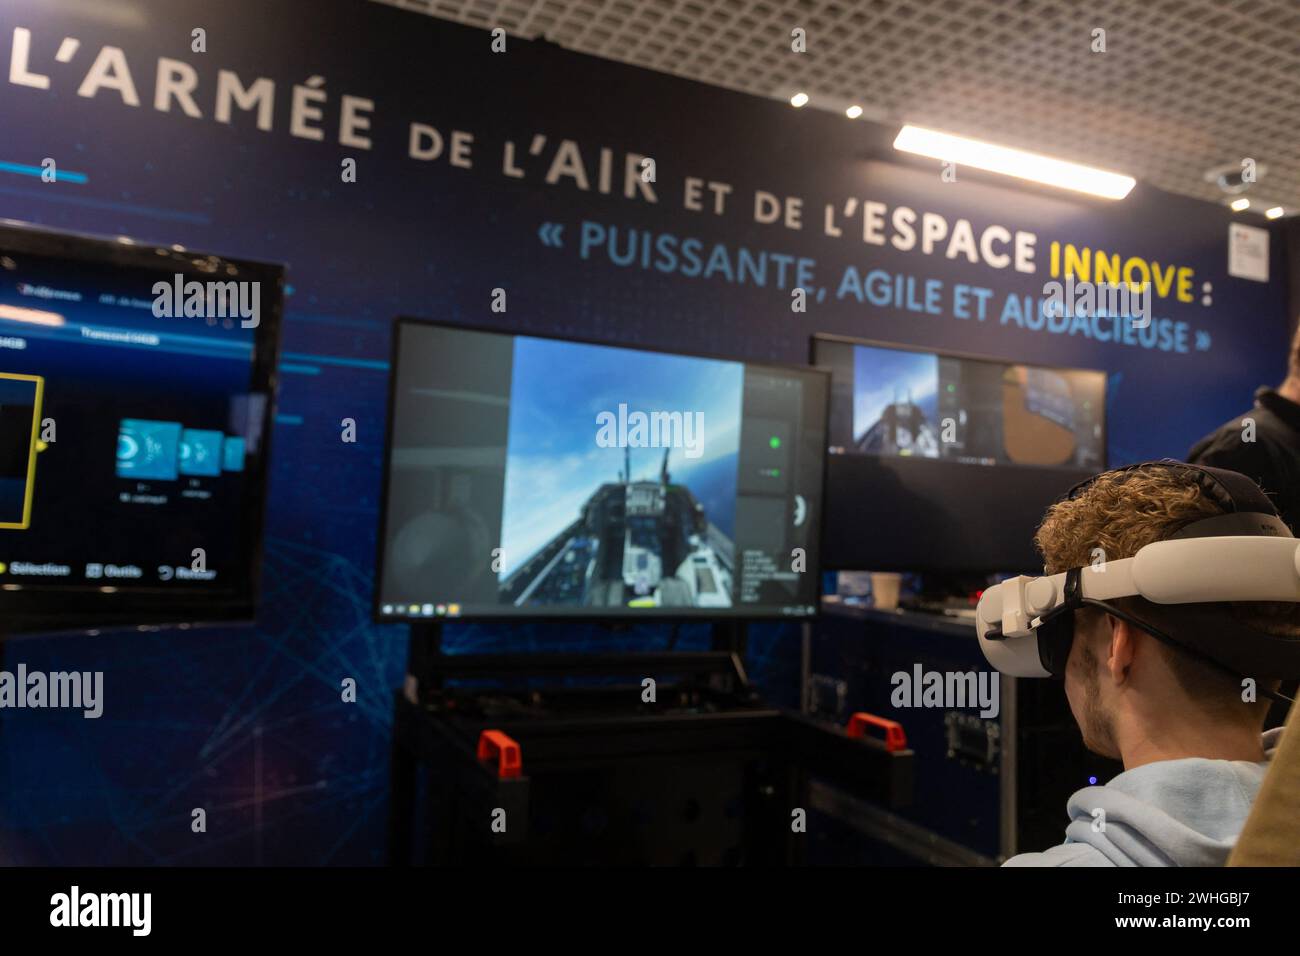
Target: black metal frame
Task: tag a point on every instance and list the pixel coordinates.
(429, 667)
(428, 728)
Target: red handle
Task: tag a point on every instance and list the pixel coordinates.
(895, 739)
(493, 743)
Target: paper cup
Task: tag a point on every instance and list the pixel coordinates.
(884, 588)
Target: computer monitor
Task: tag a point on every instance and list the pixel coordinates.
(550, 478)
(946, 462)
(135, 408)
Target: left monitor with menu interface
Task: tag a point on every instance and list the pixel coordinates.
(136, 387)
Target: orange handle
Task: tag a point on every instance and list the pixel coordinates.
(895, 739)
(493, 743)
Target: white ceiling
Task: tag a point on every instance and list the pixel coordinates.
(1184, 85)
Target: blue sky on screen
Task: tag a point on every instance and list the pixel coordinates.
(553, 463)
(882, 376)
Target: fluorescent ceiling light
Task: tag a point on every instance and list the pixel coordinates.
(1274, 213)
(1240, 205)
(1013, 162)
(799, 99)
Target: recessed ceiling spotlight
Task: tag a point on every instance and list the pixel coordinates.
(853, 112)
(798, 100)
(1274, 213)
(1240, 205)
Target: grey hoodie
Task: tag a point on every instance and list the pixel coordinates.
(1170, 813)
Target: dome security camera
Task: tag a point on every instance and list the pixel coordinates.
(1236, 178)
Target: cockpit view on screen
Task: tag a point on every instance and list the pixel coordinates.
(630, 482)
(929, 405)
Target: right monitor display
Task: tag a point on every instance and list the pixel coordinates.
(532, 477)
(944, 462)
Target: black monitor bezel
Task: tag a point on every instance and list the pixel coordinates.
(957, 568)
(86, 607)
(641, 616)
(977, 357)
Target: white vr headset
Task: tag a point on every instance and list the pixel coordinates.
(1026, 624)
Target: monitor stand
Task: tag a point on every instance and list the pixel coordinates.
(450, 728)
(428, 667)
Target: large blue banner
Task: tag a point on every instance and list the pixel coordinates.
(402, 165)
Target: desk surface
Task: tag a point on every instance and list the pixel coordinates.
(941, 623)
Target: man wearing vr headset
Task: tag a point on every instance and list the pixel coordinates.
(1162, 669)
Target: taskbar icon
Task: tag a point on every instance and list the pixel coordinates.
(420, 610)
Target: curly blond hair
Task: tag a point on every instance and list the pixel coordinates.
(1120, 512)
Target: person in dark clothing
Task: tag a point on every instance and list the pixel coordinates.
(1264, 443)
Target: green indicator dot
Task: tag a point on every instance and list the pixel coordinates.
(774, 441)
(952, 388)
